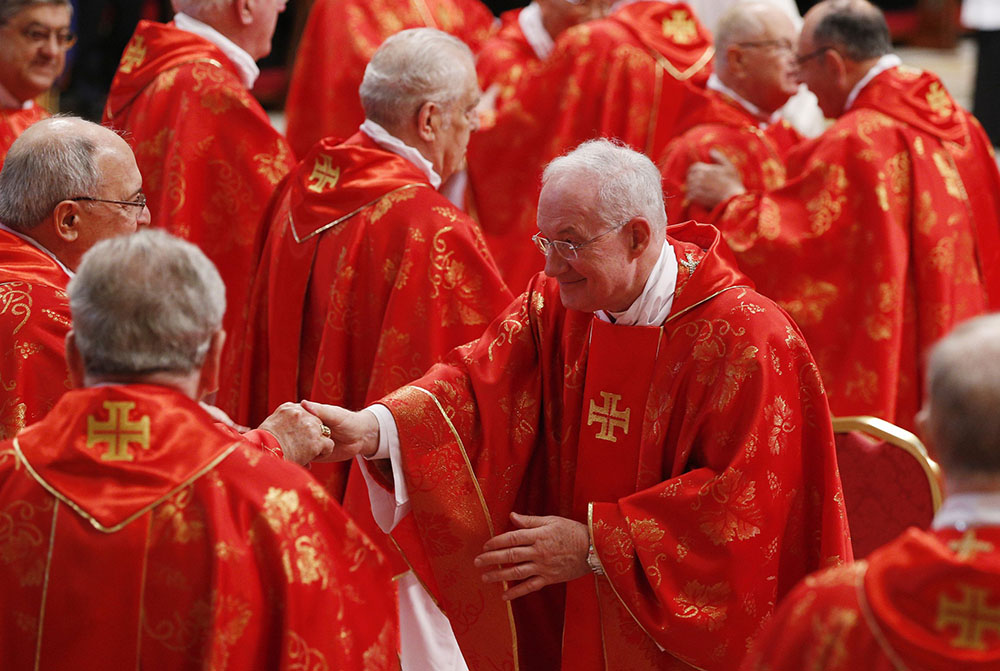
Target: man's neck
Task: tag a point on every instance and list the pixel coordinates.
(237, 55)
(401, 145)
(184, 383)
(863, 72)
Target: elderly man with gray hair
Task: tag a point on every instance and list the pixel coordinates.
(34, 38)
(369, 274)
(130, 504)
(928, 599)
(634, 462)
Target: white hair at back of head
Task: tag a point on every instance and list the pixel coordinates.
(195, 7)
(413, 67)
(627, 183)
(144, 303)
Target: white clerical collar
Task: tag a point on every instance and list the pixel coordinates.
(34, 243)
(762, 117)
(390, 142)
(9, 101)
(961, 511)
(657, 297)
(622, 3)
(241, 59)
(881, 65)
(530, 21)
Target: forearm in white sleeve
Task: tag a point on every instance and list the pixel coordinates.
(389, 506)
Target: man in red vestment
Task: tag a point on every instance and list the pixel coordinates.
(208, 154)
(339, 39)
(369, 275)
(930, 599)
(128, 504)
(68, 183)
(739, 115)
(877, 246)
(34, 37)
(627, 76)
(641, 440)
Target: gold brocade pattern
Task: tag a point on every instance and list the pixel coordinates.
(134, 55)
(828, 205)
(20, 536)
(385, 204)
(830, 633)
(212, 91)
(185, 521)
(377, 656)
(939, 101)
(952, 181)
(302, 657)
(305, 557)
(680, 27)
(447, 274)
(15, 299)
(729, 508)
(273, 166)
(704, 604)
(780, 414)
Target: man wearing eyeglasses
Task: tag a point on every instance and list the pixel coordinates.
(633, 463)
(34, 37)
(887, 233)
(739, 115)
(206, 148)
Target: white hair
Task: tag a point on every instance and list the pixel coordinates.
(194, 8)
(413, 67)
(144, 303)
(626, 183)
(43, 168)
(963, 384)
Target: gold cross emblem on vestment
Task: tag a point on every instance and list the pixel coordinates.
(680, 27)
(939, 101)
(324, 173)
(118, 432)
(689, 263)
(971, 615)
(609, 417)
(968, 546)
(134, 55)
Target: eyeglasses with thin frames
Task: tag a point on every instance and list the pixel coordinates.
(567, 250)
(139, 202)
(802, 60)
(778, 45)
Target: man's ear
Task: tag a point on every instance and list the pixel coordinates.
(66, 220)
(734, 61)
(640, 235)
(74, 362)
(837, 67)
(208, 382)
(427, 122)
(244, 11)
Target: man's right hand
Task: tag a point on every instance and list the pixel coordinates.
(353, 433)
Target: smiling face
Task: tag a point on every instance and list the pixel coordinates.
(31, 52)
(603, 276)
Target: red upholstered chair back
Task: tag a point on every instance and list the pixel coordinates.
(890, 483)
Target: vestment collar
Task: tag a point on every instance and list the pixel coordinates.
(241, 59)
(885, 63)
(657, 297)
(530, 21)
(34, 243)
(9, 101)
(390, 142)
(973, 509)
(764, 119)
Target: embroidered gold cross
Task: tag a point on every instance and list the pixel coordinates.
(679, 27)
(968, 546)
(118, 432)
(971, 615)
(609, 417)
(939, 101)
(324, 173)
(134, 55)
(689, 263)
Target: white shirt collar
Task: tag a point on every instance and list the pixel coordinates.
(961, 511)
(763, 118)
(241, 59)
(34, 243)
(530, 21)
(657, 297)
(8, 100)
(390, 142)
(881, 65)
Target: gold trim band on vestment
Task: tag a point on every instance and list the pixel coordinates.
(326, 227)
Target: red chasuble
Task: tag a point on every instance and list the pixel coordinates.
(627, 76)
(699, 452)
(369, 277)
(13, 122)
(928, 601)
(720, 122)
(339, 39)
(504, 58)
(138, 534)
(207, 152)
(34, 320)
(875, 246)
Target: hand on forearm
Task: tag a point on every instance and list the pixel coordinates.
(353, 433)
(709, 184)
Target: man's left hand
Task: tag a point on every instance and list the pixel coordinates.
(540, 551)
(709, 184)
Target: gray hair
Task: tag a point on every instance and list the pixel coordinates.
(42, 168)
(627, 184)
(10, 8)
(855, 27)
(413, 67)
(963, 382)
(740, 23)
(144, 303)
(193, 8)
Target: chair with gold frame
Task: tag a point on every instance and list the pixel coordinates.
(890, 482)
